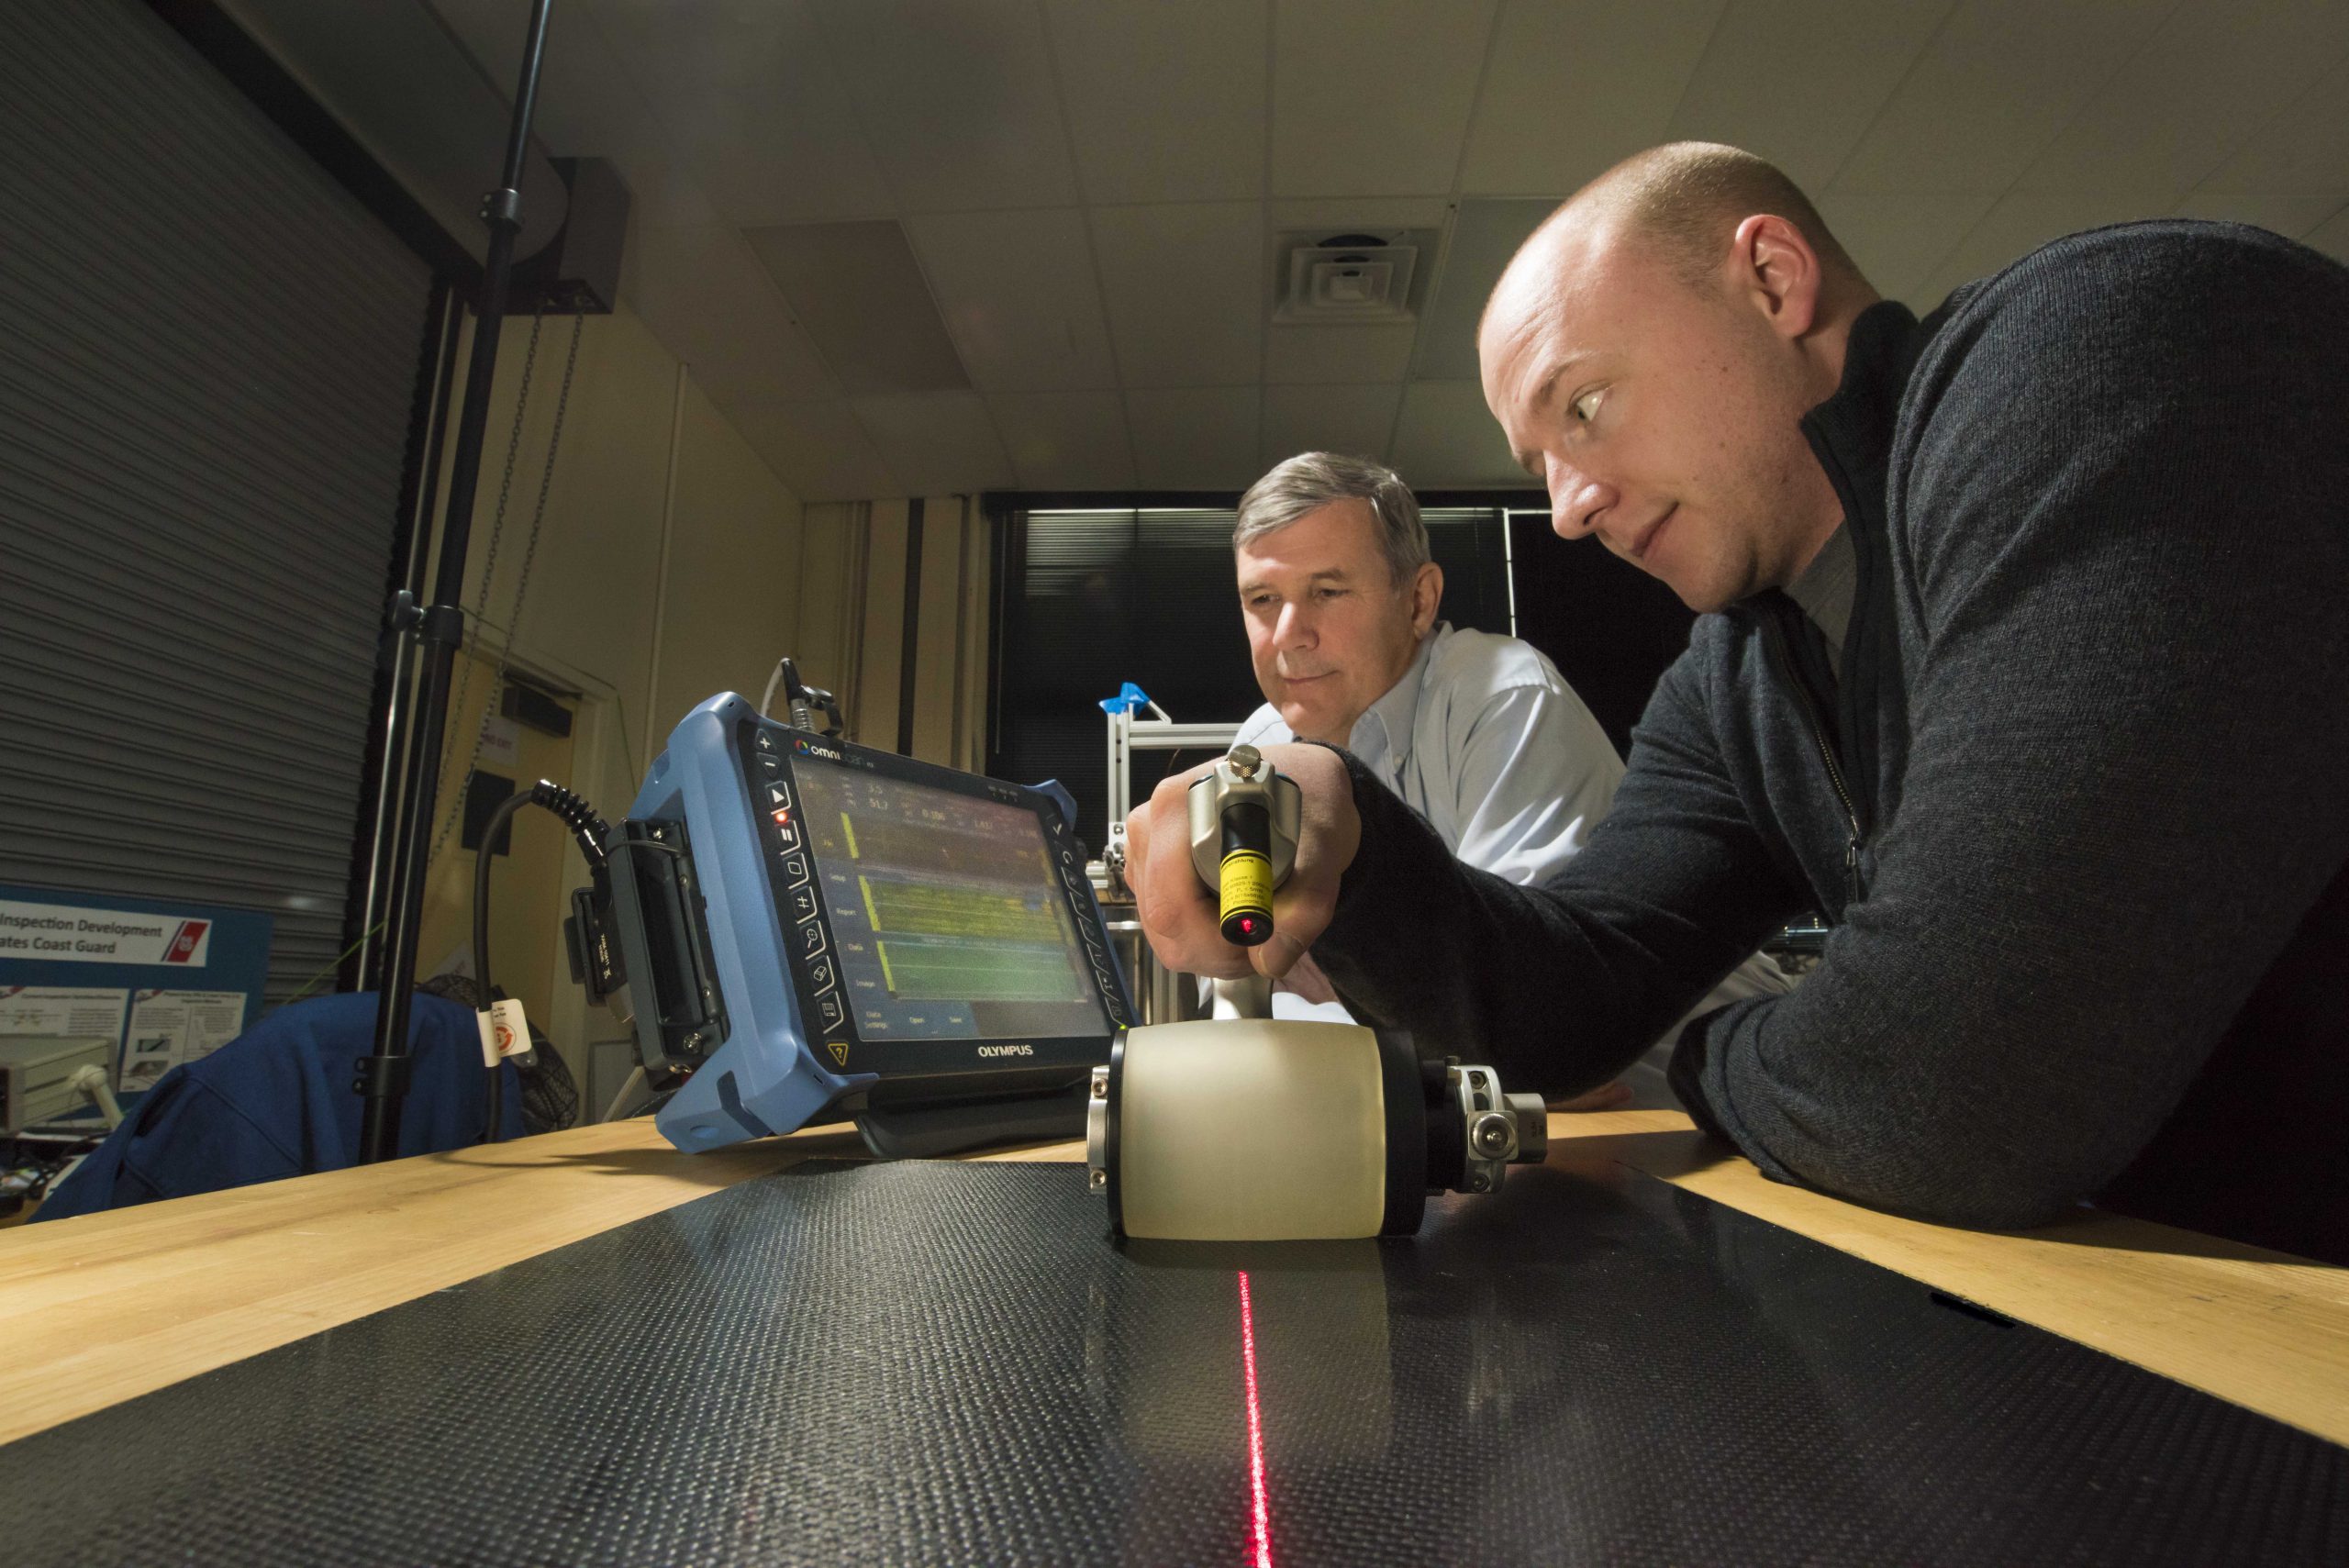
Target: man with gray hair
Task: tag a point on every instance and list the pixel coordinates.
(1478, 733)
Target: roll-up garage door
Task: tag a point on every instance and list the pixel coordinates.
(208, 351)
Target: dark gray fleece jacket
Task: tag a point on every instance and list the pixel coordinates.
(2078, 807)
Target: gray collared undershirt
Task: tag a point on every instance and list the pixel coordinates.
(1826, 591)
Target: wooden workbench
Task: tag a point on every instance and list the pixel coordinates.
(104, 1308)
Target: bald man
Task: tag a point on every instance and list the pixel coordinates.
(2023, 636)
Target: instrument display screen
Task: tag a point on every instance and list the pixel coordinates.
(949, 918)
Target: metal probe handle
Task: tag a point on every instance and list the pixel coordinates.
(1243, 818)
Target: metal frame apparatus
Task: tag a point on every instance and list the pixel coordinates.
(1129, 735)
(1157, 992)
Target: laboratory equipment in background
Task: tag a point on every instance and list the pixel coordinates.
(1164, 996)
(46, 1078)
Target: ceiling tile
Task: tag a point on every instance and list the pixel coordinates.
(1996, 86)
(589, 103)
(1796, 81)
(763, 165)
(935, 443)
(1187, 292)
(1576, 86)
(1484, 237)
(957, 101)
(2331, 237)
(1372, 97)
(1065, 440)
(1446, 437)
(1019, 295)
(2205, 82)
(1157, 149)
(864, 301)
(817, 448)
(1335, 215)
(2021, 223)
(1338, 353)
(1194, 438)
(705, 297)
(1166, 102)
(661, 194)
(750, 102)
(1356, 420)
(2288, 215)
(1898, 238)
(2303, 151)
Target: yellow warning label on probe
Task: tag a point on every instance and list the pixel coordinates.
(1247, 883)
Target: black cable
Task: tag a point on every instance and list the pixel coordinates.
(587, 830)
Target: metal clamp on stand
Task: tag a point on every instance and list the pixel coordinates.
(376, 1076)
(1163, 995)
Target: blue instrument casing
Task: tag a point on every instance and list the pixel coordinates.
(757, 934)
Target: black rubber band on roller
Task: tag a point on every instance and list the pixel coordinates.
(1400, 1086)
(1109, 1133)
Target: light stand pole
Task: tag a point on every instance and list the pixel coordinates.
(440, 629)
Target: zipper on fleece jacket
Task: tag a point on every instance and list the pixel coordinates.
(1826, 755)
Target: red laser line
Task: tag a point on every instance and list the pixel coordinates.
(1262, 1556)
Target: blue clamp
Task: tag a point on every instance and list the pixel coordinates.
(1130, 697)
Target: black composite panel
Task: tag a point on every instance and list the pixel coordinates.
(949, 1363)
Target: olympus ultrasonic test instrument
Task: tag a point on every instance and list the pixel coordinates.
(815, 931)
(807, 930)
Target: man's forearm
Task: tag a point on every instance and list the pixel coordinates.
(1472, 964)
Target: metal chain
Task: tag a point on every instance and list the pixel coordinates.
(451, 801)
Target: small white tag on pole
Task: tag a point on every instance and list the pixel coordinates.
(503, 1031)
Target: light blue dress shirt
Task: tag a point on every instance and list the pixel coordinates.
(1484, 738)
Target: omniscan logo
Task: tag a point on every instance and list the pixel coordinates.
(809, 749)
(1007, 1050)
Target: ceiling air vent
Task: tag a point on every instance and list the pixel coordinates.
(1348, 279)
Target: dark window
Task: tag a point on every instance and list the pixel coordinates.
(1611, 629)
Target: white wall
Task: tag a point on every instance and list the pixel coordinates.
(852, 617)
(666, 568)
(731, 603)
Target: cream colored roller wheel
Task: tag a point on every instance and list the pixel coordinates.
(1251, 1130)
